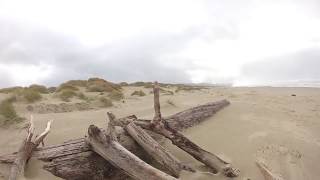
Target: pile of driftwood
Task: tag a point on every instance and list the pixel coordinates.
(128, 148)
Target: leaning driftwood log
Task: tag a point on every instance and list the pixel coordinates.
(160, 126)
(26, 150)
(74, 159)
(107, 146)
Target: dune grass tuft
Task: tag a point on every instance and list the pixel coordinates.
(101, 85)
(66, 95)
(138, 93)
(66, 87)
(52, 89)
(123, 84)
(11, 89)
(8, 114)
(39, 88)
(30, 95)
(116, 95)
(189, 88)
(106, 102)
(82, 96)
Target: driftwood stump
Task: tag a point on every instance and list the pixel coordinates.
(26, 150)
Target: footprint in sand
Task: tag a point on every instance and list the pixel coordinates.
(279, 162)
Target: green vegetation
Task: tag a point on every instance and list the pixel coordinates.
(66, 95)
(11, 89)
(188, 88)
(52, 89)
(106, 102)
(12, 99)
(139, 83)
(79, 83)
(30, 95)
(148, 85)
(66, 87)
(82, 96)
(138, 93)
(116, 95)
(7, 113)
(123, 84)
(101, 85)
(164, 92)
(38, 88)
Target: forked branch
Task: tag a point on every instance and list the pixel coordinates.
(26, 150)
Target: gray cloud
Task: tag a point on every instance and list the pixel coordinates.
(138, 58)
(154, 55)
(302, 66)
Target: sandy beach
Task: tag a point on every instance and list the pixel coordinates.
(277, 126)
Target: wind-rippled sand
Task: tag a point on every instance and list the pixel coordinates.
(261, 124)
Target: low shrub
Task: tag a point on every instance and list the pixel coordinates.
(164, 92)
(12, 99)
(8, 113)
(123, 84)
(106, 102)
(66, 87)
(189, 88)
(116, 95)
(148, 85)
(101, 85)
(52, 89)
(66, 95)
(11, 89)
(138, 83)
(138, 93)
(80, 83)
(38, 88)
(30, 95)
(82, 96)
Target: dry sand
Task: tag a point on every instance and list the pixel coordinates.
(265, 124)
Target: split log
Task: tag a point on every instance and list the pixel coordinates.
(155, 150)
(73, 160)
(106, 145)
(160, 126)
(26, 150)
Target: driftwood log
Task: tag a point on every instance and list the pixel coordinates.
(26, 150)
(74, 159)
(266, 172)
(160, 126)
(108, 147)
(155, 150)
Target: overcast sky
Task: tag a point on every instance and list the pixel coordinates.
(243, 42)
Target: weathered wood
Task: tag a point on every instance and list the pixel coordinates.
(266, 172)
(156, 99)
(182, 120)
(73, 160)
(155, 150)
(106, 145)
(26, 150)
(211, 160)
